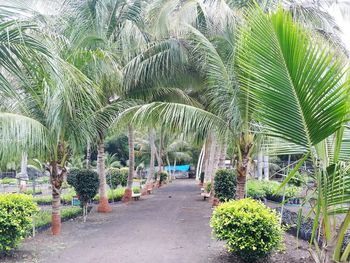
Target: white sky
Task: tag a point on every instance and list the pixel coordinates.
(344, 24)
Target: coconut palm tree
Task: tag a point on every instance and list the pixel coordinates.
(296, 79)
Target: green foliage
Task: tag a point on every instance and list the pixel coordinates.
(72, 176)
(267, 189)
(42, 200)
(16, 212)
(251, 230)
(116, 177)
(67, 197)
(43, 180)
(163, 176)
(86, 185)
(136, 190)
(225, 184)
(255, 189)
(298, 179)
(11, 181)
(119, 147)
(44, 217)
(208, 187)
(29, 191)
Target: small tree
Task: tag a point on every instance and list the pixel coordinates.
(225, 184)
(116, 176)
(86, 186)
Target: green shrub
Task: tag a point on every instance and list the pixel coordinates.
(251, 230)
(298, 179)
(72, 176)
(163, 176)
(117, 177)
(225, 184)
(11, 181)
(116, 195)
(30, 191)
(86, 185)
(136, 190)
(208, 187)
(255, 189)
(16, 212)
(44, 217)
(43, 180)
(43, 200)
(67, 198)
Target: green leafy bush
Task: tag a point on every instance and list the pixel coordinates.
(163, 176)
(225, 184)
(44, 217)
(298, 179)
(67, 197)
(136, 190)
(43, 200)
(117, 177)
(11, 181)
(72, 176)
(208, 187)
(251, 230)
(30, 191)
(16, 212)
(86, 185)
(255, 189)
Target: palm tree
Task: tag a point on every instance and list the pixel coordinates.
(298, 88)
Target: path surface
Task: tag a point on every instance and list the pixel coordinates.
(171, 225)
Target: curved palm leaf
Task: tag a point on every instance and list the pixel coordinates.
(296, 82)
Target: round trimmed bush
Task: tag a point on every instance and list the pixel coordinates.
(86, 185)
(163, 176)
(225, 184)
(251, 230)
(16, 211)
(72, 176)
(117, 177)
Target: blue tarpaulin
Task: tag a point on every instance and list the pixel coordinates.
(182, 168)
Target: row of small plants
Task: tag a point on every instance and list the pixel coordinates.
(268, 189)
(14, 181)
(113, 195)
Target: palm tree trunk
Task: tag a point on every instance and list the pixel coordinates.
(56, 178)
(223, 153)
(169, 168)
(174, 171)
(151, 172)
(103, 205)
(23, 175)
(88, 155)
(243, 162)
(200, 163)
(128, 190)
(207, 160)
(266, 167)
(260, 165)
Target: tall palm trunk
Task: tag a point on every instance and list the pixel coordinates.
(57, 174)
(200, 163)
(266, 167)
(260, 165)
(207, 160)
(223, 153)
(151, 171)
(128, 190)
(88, 155)
(243, 163)
(151, 137)
(103, 205)
(23, 174)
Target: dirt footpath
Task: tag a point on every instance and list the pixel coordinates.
(169, 226)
